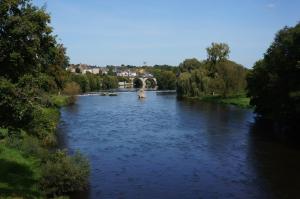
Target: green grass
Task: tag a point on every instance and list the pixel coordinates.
(19, 174)
(240, 100)
(59, 100)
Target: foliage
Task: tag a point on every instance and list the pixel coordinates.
(16, 107)
(189, 64)
(64, 174)
(229, 79)
(71, 88)
(217, 52)
(32, 72)
(59, 100)
(166, 79)
(26, 41)
(19, 174)
(109, 82)
(82, 81)
(43, 124)
(94, 82)
(274, 82)
(37, 84)
(123, 79)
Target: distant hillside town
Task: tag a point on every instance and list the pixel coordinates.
(120, 71)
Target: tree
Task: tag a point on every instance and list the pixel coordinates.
(274, 82)
(26, 41)
(166, 80)
(109, 82)
(217, 52)
(189, 64)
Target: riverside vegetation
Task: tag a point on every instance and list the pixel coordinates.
(274, 84)
(272, 87)
(34, 85)
(32, 76)
(215, 79)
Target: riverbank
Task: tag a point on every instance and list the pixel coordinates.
(29, 166)
(239, 100)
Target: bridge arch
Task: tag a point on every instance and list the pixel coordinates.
(138, 83)
(144, 82)
(150, 83)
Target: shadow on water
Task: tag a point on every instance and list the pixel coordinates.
(276, 162)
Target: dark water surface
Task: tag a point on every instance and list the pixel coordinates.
(162, 148)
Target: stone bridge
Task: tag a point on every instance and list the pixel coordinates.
(143, 82)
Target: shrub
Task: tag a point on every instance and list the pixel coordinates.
(62, 174)
(15, 106)
(71, 88)
(44, 124)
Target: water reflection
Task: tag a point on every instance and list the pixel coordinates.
(164, 148)
(276, 163)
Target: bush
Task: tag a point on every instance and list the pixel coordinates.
(59, 100)
(71, 88)
(31, 146)
(15, 106)
(62, 174)
(82, 81)
(44, 124)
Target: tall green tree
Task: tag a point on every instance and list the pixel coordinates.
(26, 41)
(218, 52)
(274, 82)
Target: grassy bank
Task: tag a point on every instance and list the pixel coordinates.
(59, 100)
(240, 100)
(28, 169)
(19, 174)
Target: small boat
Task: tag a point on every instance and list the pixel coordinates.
(112, 94)
(104, 94)
(141, 94)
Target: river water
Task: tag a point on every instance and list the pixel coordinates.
(162, 148)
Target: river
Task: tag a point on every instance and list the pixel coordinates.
(162, 148)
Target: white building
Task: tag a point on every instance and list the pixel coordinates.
(126, 74)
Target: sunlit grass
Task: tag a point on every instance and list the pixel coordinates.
(239, 100)
(19, 174)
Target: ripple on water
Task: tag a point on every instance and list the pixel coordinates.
(163, 148)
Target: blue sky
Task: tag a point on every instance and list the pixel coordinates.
(105, 32)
